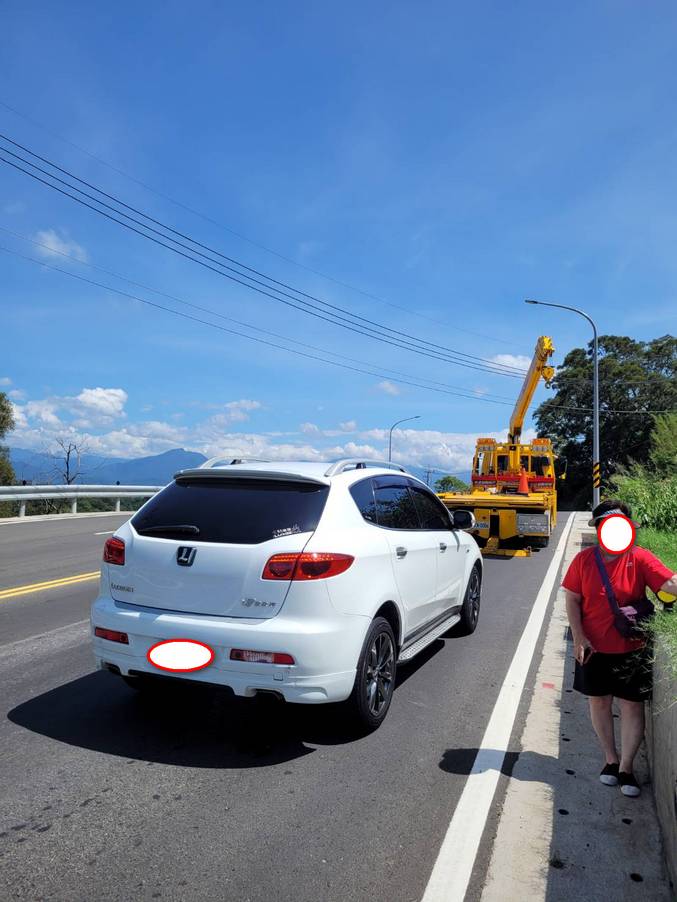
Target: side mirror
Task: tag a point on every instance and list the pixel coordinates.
(463, 520)
(562, 465)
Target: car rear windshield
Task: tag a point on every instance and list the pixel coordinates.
(238, 512)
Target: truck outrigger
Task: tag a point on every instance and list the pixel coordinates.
(514, 494)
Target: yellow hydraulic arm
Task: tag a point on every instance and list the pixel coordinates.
(539, 369)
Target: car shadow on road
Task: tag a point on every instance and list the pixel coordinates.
(188, 724)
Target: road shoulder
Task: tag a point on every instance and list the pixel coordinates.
(562, 834)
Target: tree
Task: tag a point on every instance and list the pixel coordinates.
(636, 378)
(7, 476)
(663, 452)
(68, 459)
(451, 484)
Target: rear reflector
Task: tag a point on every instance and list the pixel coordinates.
(111, 635)
(313, 565)
(260, 657)
(114, 551)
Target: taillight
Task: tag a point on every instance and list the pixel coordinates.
(114, 551)
(313, 565)
(260, 657)
(111, 635)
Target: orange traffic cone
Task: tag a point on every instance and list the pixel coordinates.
(523, 487)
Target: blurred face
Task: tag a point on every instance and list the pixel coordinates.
(616, 534)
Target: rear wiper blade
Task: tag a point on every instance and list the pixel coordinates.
(186, 528)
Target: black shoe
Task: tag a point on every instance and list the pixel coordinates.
(629, 786)
(609, 775)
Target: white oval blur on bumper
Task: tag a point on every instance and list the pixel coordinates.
(180, 655)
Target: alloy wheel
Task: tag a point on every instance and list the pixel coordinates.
(379, 674)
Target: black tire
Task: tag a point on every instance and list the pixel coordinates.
(470, 612)
(375, 677)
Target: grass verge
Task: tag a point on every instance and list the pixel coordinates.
(664, 625)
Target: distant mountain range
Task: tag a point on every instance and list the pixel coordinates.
(158, 469)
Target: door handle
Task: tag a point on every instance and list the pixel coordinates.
(443, 546)
(401, 551)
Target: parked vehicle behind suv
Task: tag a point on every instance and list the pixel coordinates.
(308, 580)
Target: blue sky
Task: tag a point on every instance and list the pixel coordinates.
(450, 159)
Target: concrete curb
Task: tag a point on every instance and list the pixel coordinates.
(661, 740)
(562, 835)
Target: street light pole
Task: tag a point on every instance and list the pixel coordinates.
(596, 468)
(390, 436)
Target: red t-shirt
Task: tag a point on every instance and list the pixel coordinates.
(629, 574)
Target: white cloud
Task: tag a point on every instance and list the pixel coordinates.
(388, 387)
(521, 361)
(19, 416)
(16, 394)
(109, 402)
(54, 245)
(43, 412)
(5, 380)
(238, 411)
(40, 422)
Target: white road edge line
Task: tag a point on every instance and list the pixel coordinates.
(455, 861)
(108, 532)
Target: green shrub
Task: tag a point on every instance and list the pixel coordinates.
(653, 500)
(663, 626)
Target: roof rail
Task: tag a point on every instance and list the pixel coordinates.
(229, 461)
(358, 463)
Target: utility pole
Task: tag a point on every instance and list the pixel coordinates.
(596, 466)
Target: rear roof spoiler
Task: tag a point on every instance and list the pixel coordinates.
(223, 473)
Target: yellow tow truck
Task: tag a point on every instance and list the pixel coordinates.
(514, 494)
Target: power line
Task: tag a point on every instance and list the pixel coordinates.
(368, 372)
(371, 372)
(216, 313)
(242, 237)
(275, 297)
(402, 338)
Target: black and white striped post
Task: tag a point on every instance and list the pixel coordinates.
(596, 468)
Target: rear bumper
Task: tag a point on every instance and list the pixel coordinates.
(325, 650)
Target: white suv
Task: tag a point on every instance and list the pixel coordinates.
(307, 580)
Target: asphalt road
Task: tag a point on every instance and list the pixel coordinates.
(198, 795)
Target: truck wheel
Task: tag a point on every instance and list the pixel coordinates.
(375, 677)
(470, 611)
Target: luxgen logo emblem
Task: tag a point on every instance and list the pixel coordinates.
(185, 556)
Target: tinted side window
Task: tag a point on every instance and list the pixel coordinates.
(394, 504)
(233, 511)
(429, 510)
(363, 496)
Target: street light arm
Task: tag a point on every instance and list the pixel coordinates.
(596, 464)
(565, 307)
(390, 435)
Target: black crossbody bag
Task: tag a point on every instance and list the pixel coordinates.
(629, 627)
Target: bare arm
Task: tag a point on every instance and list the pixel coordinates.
(581, 642)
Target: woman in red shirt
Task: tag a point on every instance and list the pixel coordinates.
(609, 665)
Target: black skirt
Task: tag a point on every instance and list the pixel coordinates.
(628, 676)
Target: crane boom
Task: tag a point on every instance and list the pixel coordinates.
(539, 369)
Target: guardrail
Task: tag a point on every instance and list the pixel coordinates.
(24, 493)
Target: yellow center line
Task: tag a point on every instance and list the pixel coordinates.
(49, 584)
